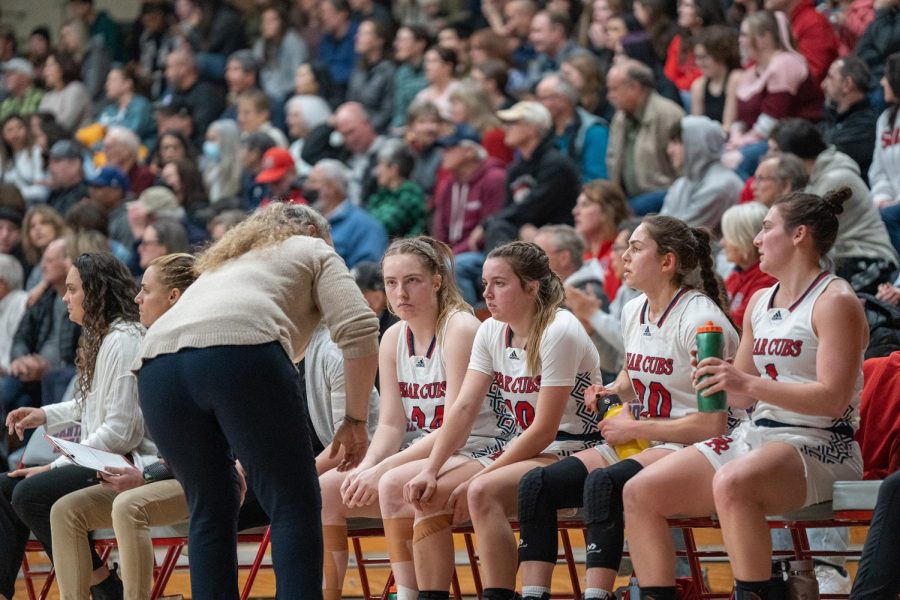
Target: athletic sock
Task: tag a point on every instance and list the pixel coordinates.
(751, 590)
(597, 594)
(535, 592)
(498, 594)
(433, 595)
(405, 593)
(659, 593)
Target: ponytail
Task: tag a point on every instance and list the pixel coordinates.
(710, 284)
(530, 263)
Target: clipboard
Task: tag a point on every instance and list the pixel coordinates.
(85, 456)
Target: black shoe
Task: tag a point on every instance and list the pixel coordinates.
(108, 589)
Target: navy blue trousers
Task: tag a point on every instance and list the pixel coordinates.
(204, 406)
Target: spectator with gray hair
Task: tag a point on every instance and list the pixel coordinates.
(577, 133)
(541, 186)
(849, 119)
(12, 305)
(778, 175)
(357, 236)
(121, 146)
(636, 156)
(398, 203)
(304, 113)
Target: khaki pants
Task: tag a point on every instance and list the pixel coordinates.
(131, 514)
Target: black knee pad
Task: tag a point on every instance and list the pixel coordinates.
(542, 492)
(604, 513)
(433, 595)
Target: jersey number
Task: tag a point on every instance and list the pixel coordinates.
(772, 372)
(523, 411)
(418, 417)
(658, 401)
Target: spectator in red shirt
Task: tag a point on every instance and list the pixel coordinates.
(600, 209)
(740, 224)
(814, 35)
(693, 16)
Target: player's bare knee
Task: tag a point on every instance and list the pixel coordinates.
(480, 497)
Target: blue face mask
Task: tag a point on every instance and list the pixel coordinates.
(211, 150)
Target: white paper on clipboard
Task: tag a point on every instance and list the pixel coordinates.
(85, 456)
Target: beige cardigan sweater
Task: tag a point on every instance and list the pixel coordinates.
(279, 293)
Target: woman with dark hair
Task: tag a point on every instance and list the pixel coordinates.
(172, 145)
(372, 81)
(693, 16)
(21, 160)
(440, 71)
(127, 108)
(221, 363)
(655, 16)
(314, 79)
(493, 76)
(183, 178)
(719, 59)
(799, 367)
(280, 50)
(884, 174)
(100, 297)
(66, 98)
(662, 256)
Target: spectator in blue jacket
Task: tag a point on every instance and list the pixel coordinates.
(577, 133)
(337, 46)
(356, 234)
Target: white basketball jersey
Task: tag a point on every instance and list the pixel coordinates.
(568, 358)
(423, 389)
(784, 349)
(658, 355)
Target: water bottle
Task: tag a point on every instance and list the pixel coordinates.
(711, 343)
(631, 447)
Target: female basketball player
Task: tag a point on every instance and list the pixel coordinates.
(535, 358)
(659, 329)
(799, 367)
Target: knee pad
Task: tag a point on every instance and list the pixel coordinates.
(541, 492)
(431, 525)
(558, 486)
(604, 513)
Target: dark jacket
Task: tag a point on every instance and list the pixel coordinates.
(36, 327)
(64, 199)
(373, 87)
(542, 189)
(880, 40)
(853, 133)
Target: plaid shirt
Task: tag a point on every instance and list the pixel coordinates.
(401, 211)
(27, 104)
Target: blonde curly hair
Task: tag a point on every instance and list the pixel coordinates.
(264, 228)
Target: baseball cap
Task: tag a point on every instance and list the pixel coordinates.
(158, 198)
(18, 65)
(110, 177)
(461, 133)
(11, 215)
(275, 163)
(529, 111)
(65, 149)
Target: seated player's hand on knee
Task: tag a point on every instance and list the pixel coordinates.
(419, 490)
(360, 488)
(120, 479)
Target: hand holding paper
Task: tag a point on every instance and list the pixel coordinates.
(91, 458)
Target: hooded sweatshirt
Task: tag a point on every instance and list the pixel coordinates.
(861, 232)
(461, 205)
(707, 188)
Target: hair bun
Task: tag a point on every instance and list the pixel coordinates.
(835, 199)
